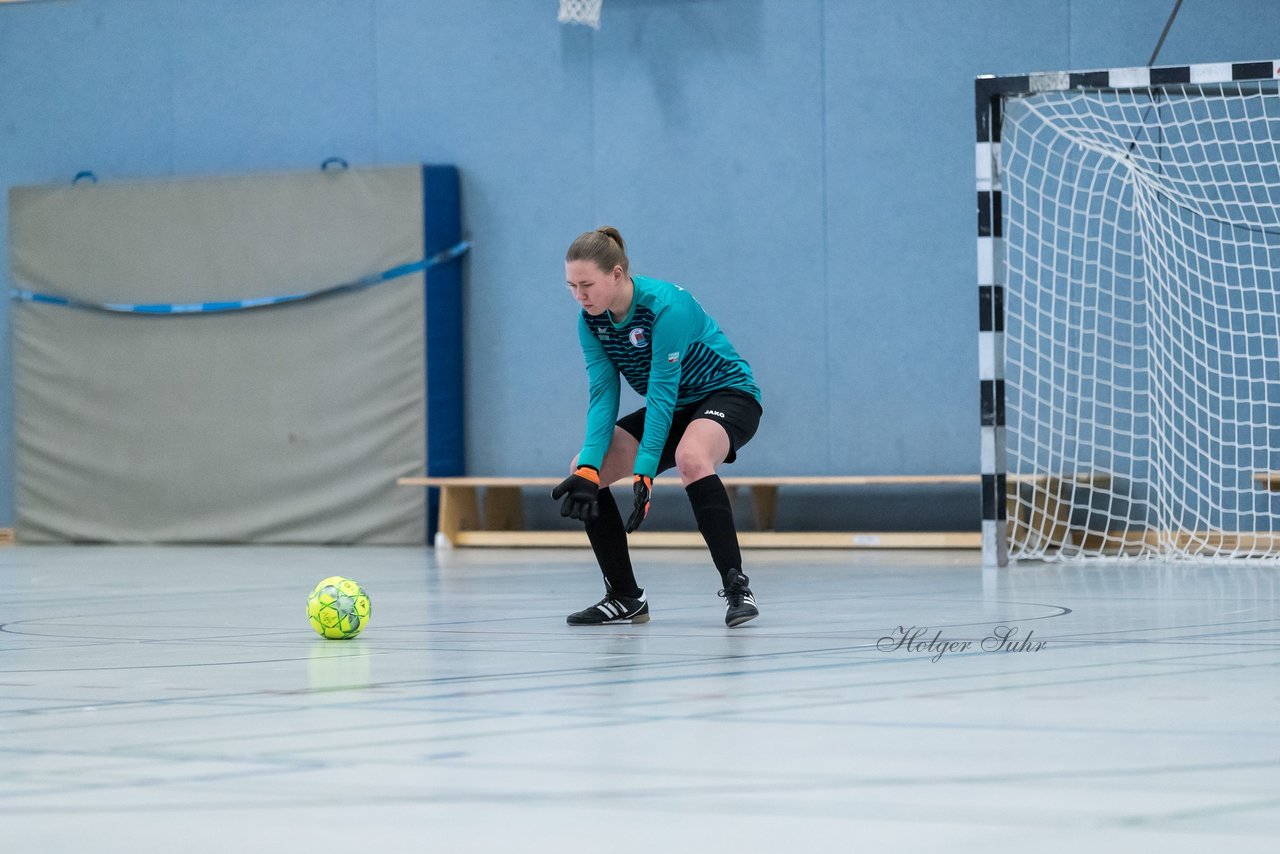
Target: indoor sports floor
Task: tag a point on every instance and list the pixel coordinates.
(175, 699)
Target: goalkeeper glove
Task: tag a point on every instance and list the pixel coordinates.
(642, 487)
(580, 490)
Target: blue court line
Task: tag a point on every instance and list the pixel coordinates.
(221, 306)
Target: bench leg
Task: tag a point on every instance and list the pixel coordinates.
(503, 510)
(764, 500)
(1048, 516)
(1013, 513)
(458, 511)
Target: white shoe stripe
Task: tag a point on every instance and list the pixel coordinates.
(615, 610)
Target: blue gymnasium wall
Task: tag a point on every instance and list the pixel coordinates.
(804, 166)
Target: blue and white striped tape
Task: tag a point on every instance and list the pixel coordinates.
(237, 305)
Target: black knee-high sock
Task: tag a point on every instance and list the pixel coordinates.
(714, 513)
(609, 542)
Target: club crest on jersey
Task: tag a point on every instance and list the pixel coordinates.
(637, 337)
(673, 357)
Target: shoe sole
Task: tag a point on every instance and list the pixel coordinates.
(743, 619)
(642, 618)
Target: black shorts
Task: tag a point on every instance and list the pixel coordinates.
(736, 411)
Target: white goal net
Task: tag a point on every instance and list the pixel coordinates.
(1141, 244)
(580, 12)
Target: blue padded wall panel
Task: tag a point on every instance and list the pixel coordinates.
(442, 228)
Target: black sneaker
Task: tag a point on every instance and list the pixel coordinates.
(612, 609)
(737, 595)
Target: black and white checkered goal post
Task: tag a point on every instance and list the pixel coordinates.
(1129, 228)
(990, 91)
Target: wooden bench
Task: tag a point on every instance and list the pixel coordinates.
(1039, 507)
(487, 511)
(1046, 506)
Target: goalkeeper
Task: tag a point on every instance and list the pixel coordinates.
(701, 406)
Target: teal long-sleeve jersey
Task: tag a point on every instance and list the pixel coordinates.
(670, 351)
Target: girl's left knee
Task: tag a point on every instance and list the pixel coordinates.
(694, 464)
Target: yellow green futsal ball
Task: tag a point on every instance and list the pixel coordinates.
(338, 608)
